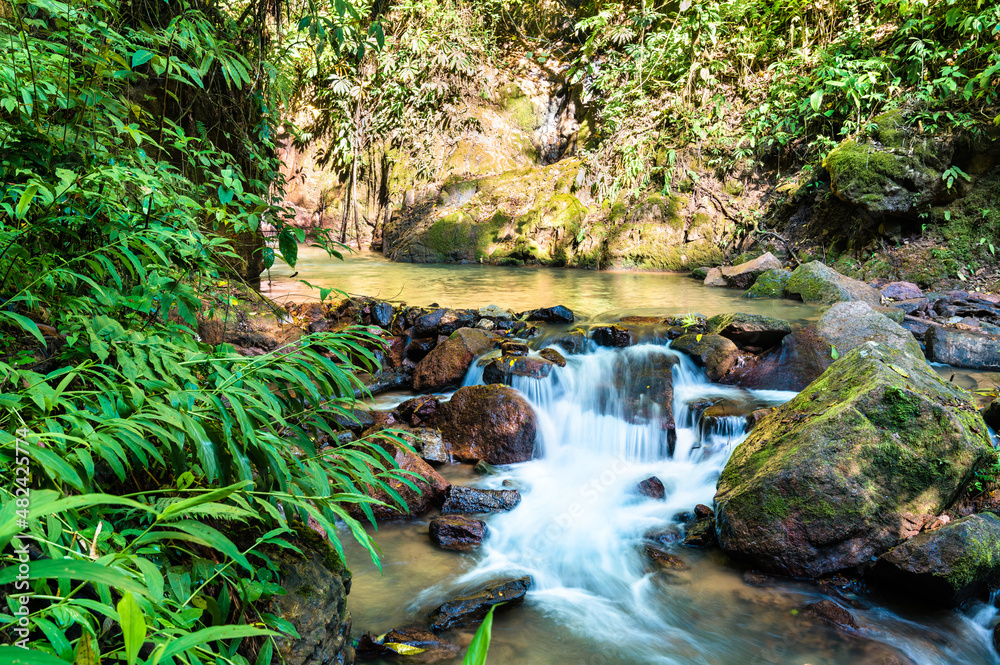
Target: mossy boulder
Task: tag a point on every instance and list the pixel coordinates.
(897, 173)
(817, 282)
(770, 284)
(852, 466)
(848, 325)
(946, 566)
(744, 274)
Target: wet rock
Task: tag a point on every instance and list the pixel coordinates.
(848, 325)
(817, 282)
(713, 352)
(714, 278)
(316, 585)
(485, 469)
(613, 336)
(795, 363)
(417, 411)
(553, 356)
(486, 324)
(910, 306)
(833, 614)
(511, 348)
(665, 536)
(381, 313)
(755, 578)
(431, 488)
(756, 416)
(455, 319)
(701, 512)
(427, 442)
(573, 342)
(492, 423)
(744, 275)
(418, 349)
(454, 532)
(959, 561)
(397, 378)
(665, 560)
(447, 364)
(494, 312)
(700, 532)
(963, 348)
(750, 330)
(901, 291)
(557, 314)
(645, 385)
(501, 370)
(472, 608)
(653, 488)
(473, 501)
(850, 467)
(427, 325)
(991, 414)
(398, 641)
(770, 284)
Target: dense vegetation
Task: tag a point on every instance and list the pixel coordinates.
(137, 143)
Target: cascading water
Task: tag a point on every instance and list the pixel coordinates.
(605, 425)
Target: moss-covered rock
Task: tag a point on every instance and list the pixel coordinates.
(956, 562)
(848, 325)
(851, 466)
(897, 173)
(770, 284)
(817, 282)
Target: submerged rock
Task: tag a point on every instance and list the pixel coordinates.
(572, 342)
(665, 559)
(613, 336)
(700, 531)
(833, 614)
(454, 532)
(848, 325)
(770, 284)
(850, 467)
(472, 608)
(961, 348)
(713, 352)
(817, 282)
(447, 364)
(491, 423)
(750, 330)
(956, 562)
(473, 501)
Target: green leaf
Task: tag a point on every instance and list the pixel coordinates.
(23, 203)
(141, 57)
(476, 655)
(816, 100)
(17, 656)
(133, 624)
(833, 352)
(25, 324)
(88, 571)
(206, 635)
(288, 247)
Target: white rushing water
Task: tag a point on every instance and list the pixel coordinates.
(581, 526)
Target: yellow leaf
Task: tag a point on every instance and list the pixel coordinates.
(899, 370)
(403, 649)
(85, 653)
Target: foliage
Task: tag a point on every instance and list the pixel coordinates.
(480, 645)
(122, 189)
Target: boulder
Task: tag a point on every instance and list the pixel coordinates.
(503, 369)
(745, 274)
(901, 291)
(472, 608)
(454, 532)
(714, 278)
(431, 487)
(613, 336)
(473, 501)
(713, 352)
(553, 356)
(572, 342)
(557, 314)
(494, 312)
(770, 284)
(962, 348)
(417, 411)
(381, 313)
(848, 325)
(795, 363)
(817, 282)
(645, 385)
(957, 562)
(750, 330)
(653, 488)
(854, 464)
(427, 324)
(492, 423)
(446, 365)
(418, 348)
(512, 348)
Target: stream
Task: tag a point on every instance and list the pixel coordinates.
(580, 528)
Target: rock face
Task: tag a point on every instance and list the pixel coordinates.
(316, 584)
(750, 330)
(713, 352)
(745, 274)
(962, 348)
(491, 423)
(850, 467)
(714, 278)
(472, 501)
(448, 362)
(454, 532)
(472, 608)
(817, 282)
(848, 325)
(770, 284)
(951, 564)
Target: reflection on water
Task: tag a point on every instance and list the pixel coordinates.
(588, 293)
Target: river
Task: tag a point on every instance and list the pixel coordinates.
(579, 530)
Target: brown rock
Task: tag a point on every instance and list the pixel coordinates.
(713, 352)
(665, 559)
(744, 275)
(653, 488)
(553, 356)
(454, 532)
(447, 364)
(492, 423)
(833, 614)
(500, 370)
